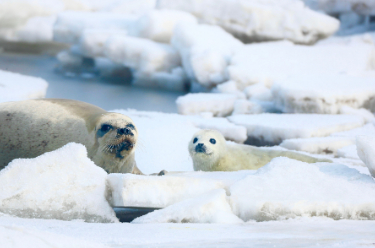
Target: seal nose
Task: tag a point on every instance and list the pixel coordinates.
(200, 148)
(124, 131)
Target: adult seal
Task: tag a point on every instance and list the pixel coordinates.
(210, 152)
(32, 127)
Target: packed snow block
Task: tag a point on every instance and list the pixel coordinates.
(92, 41)
(272, 129)
(366, 151)
(17, 87)
(259, 20)
(325, 94)
(287, 188)
(205, 51)
(211, 207)
(70, 24)
(272, 62)
(229, 130)
(63, 184)
(319, 145)
(162, 141)
(218, 104)
(158, 25)
(154, 191)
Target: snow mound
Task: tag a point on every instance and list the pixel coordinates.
(17, 87)
(211, 207)
(272, 129)
(287, 188)
(205, 51)
(158, 25)
(275, 61)
(259, 20)
(326, 94)
(162, 141)
(156, 191)
(70, 24)
(366, 151)
(217, 104)
(63, 184)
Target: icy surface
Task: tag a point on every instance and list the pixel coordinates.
(274, 128)
(205, 51)
(335, 191)
(217, 104)
(211, 207)
(63, 184)
(156, 191)
(328, 94)
(366, 151)
(274, 61)
(348, 152)
(16, 87)
(259, 20)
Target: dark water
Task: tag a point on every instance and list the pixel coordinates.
(103, 93)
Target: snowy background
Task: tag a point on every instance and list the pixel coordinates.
(291, 74)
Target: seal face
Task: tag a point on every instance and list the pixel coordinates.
(210, 152)
(33, 127)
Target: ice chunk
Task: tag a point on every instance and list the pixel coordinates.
(274, 61)
(367, 115)
(17, 87)
(324, 94)
(348, 152)
(242, 106)
(154, 191)
(368, 130)
(287, 188)
(205, 51)
(327, 145)
(218, 104)
(258, 92)
(274, 128)
(162, 141)
(158, 25)
(366, 152)
(70, 24)
(259, 20)
(229, 87)
(211, 207)
(142, 55)
(63, 184)
(92, 41)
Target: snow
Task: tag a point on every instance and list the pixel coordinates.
(70, 24)
(205, 51)
(258, 92)
(272, 62)
(242, 106)
(334, 191)
(365, 149)
(327, 94)
(156, 191)
(158, 25)
(259, 20)
(348, 152)
(274, 128)
(196, 103)
(211, 207)
(367, 115)
(63, 184)
(16, 87)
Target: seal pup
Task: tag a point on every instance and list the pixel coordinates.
(210, 152)
(32, 127)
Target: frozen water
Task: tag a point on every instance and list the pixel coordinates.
(365, 149)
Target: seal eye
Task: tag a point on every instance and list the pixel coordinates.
(195, 140)
(105, 128)
(213, 141)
